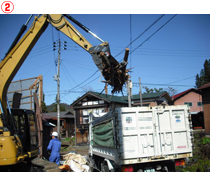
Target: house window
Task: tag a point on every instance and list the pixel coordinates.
(85, 120)
(188, 103)
(199, 103)
(95, 102)
(101, 102)
(90, 102)
(85, 114)
(84, 103)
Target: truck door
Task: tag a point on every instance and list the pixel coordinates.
(173, 130)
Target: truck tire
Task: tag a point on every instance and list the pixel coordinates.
(104, 167)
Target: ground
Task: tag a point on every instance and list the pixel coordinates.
(68, 145)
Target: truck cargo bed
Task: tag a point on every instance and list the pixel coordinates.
(142, 134)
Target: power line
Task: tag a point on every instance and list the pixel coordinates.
(137, 84)
(84, 81)
(154, 33)
(81, 86)
(182, 79)
(65, 71)
(80, 66)
(142, 33)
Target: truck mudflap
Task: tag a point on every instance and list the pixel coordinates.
(45, 165)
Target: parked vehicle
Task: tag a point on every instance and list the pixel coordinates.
(141, 139)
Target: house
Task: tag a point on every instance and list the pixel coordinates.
(102, 103)
(67, 127)
(205, 90)
(193, 98)
(152, 99)
(97, 103)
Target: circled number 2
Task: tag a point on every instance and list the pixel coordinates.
(7, 7)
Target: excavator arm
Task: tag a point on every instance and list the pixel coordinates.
(114, 73)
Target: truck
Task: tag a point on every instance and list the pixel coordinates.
(17, 139)
(140, 139)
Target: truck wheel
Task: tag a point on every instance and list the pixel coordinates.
(104, 167)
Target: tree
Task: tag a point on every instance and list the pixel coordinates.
(62, 108)
(204, 76)
(171, 91)
(151, 90)
(44, 106)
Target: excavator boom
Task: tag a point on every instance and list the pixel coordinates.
(115, 73)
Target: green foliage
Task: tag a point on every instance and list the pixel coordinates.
(70, 140)
(196, 166)
(171, 91)
(206, 140)
(153, 90)
(200, 162)
(66, 139)
(44, 107)
(204, 76)
(62, 108)
(52, 107)
(68, 144)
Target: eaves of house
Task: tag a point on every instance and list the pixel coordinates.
(204, 86)
(105, 97)
(178, 96)
(124, 99)
(53, 115)
(152, 96)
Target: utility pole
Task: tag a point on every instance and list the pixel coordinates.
(140, 91)
(129, 87)
(57, 78)
(58, 90)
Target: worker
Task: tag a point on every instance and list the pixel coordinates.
(55, 147)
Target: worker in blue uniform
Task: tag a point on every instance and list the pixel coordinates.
(55, 147)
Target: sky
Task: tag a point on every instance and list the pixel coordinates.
(170, 53)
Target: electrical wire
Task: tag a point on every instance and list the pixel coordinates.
(81, 86)
(84, 80)
(154, 33)
(168, 85)
(141, 34)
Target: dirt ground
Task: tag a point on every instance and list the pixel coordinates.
(69, 146)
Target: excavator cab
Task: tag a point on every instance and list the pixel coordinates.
(26, 130)
(23, 131)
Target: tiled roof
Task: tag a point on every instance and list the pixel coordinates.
(149, 95)
(110, 98)
(122, 99)
(177, 96)
(182, 93)
(52, 115)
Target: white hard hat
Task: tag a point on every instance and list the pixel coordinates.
(55, 134)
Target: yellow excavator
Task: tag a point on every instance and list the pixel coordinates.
(18, 128)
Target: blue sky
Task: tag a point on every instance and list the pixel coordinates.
(171, 57)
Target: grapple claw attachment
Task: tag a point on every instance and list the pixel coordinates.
(114, 73)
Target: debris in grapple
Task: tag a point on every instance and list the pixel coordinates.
(115, 73)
